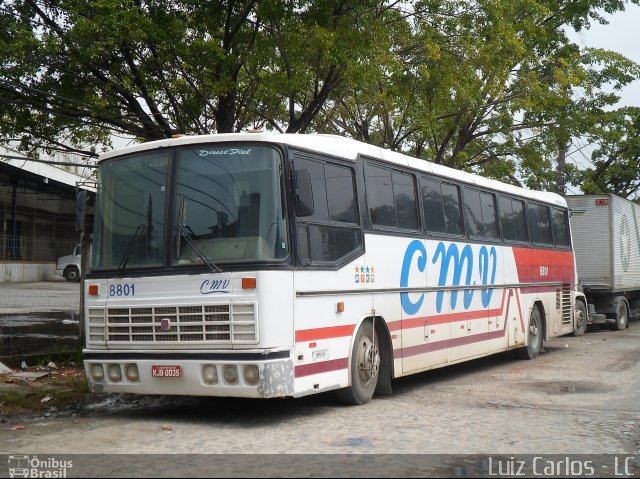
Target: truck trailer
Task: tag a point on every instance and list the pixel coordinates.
(606, 240)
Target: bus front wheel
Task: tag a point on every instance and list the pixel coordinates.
(365, 367)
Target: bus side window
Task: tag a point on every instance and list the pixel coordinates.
(441, 205)
(315, 170)
(513, 220)
(560, 224)
(480, 211)
(540, 224)
(391, 196)
(332, 231)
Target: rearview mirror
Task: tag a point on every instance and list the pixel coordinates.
(81, 208)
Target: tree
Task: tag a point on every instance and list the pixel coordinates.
(77, 71)
(491, 86)
(616, 160)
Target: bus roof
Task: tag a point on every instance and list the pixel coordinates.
(345, 148)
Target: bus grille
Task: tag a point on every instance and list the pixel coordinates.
(566, 304)
(212, 324)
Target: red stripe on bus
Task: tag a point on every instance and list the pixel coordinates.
(324, 333)
(536, 265)
(446, 318)
(448, 343)
(321, 367)
(461, 341)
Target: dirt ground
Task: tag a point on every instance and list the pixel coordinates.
(580, 397)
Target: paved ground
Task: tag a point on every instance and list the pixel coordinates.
(579, 397)
(39, 317)
(37, 296)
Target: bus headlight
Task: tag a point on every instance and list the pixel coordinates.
(210, 374)
(115, 373)
(132, 373)
(230, 373)
(251, 374)
(97, 372)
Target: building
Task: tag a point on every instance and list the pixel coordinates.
(37, 217)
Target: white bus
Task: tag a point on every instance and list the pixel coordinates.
(268, 265)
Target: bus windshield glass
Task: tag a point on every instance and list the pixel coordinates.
(228, 205)
(130, 212)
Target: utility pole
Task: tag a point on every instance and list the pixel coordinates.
(563, 142)
(560, 183)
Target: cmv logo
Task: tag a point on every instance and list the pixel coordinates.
(451, 258)
(215, 286)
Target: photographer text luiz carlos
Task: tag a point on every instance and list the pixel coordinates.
(555, 466)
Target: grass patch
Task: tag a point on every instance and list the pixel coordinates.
(60, 388)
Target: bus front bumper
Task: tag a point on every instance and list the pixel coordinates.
(190, 377)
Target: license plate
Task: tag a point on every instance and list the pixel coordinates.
(166, 371)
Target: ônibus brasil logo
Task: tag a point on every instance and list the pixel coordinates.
(32, 466)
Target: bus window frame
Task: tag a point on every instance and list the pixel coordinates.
(440, 234)
(565, 212)
(526, 220)
(537, 243)
(482, 239)
(394, 230)
(296, 220)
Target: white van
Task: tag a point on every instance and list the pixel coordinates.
(69, 266)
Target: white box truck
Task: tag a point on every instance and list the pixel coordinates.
(69, 266)
(606, 240)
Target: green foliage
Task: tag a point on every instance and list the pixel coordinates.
(616, 160)
(489, 86)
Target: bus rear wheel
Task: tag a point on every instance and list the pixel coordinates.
(534, 337)
(581, 319)
(365, 367)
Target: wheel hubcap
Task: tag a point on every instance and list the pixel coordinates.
(581, 319)
(369, 363)
(533, 332)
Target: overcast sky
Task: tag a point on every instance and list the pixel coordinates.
(622, 35)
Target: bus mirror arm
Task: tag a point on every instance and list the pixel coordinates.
(304, 193)
(81, 208)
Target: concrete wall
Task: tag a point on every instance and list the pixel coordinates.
(16, 272)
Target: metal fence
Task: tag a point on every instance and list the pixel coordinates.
(39, 311)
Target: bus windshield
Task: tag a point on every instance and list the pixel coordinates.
(228, 206)
(130, 211)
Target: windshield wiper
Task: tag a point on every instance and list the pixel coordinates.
(184, 232)
(140, 232)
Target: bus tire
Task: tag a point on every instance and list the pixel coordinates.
(535, 336)
(622, 315)
(581, 319)
(365, 367)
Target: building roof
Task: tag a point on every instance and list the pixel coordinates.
(47, 171)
